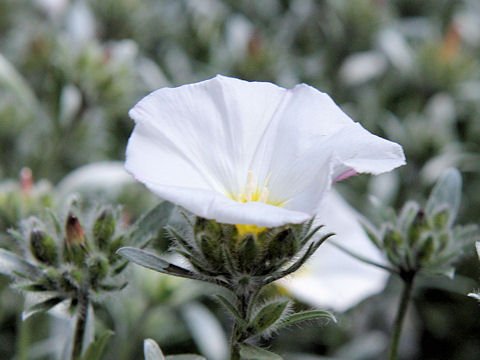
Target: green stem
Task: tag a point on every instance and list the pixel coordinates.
(401, 312)
(234, 350)
(244, 302)
(23, 339)
(80, 326)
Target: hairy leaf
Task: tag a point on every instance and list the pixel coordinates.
(248, 352)
(13, 265)
(269, 315)
(305, 316)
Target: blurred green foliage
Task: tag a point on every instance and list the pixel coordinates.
(407, 70)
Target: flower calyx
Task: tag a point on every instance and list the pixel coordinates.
(246, 260)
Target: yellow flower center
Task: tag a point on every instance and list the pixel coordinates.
(253, 192)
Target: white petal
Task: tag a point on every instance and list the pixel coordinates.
(359, 150)
(332, 278)
(292, 151)
(211, 128)
(212, 205)
(311, 142)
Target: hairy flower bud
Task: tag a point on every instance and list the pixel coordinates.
(248, 251)
(76, 246)
(104, 228)
(97, 268)
(440, 219)
(43, 247)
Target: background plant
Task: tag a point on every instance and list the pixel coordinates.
(408, 70)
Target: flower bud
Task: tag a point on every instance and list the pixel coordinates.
(443, 241)
(114, 245)
(104, 228)
(248, 251)
(415, 230)
(211, 250)
(43, 247)
(280, 244)
(440, 219)
(393, 243)
(97, 268)
(427, 250)
(75, 233)
(76, 248)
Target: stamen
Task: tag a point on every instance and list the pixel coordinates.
(250, 187)
(263, 195)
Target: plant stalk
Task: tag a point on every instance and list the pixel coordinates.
(80, 326)
(401, 312)
(244, 301)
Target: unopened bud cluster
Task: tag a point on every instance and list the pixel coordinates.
(417, 240)
(75, 259)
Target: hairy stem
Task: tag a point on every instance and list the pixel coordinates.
(244, 305)
(80, 326)
(401, 312)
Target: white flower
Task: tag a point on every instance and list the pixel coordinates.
(333, 278)
(249, 152)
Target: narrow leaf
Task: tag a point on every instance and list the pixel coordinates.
(269, 315)
(12, 265)
(32, 287)
(154, 262)
(152, 351)
(41, 307)
(305, 316)
(185, 357)
(446, 192)
(248, 352)
(96, 348)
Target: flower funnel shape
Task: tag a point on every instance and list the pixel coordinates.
(249, 153)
